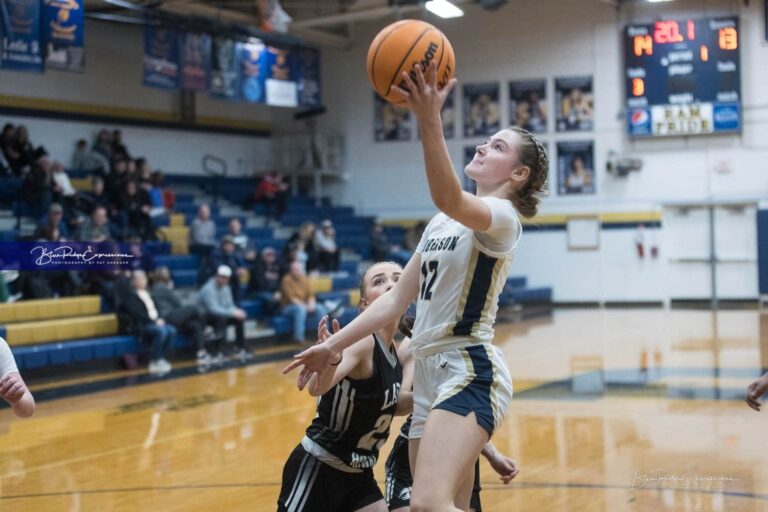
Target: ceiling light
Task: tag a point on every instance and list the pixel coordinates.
(657, 1)
(443, 8)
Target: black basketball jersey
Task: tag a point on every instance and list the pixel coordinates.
(353, 417)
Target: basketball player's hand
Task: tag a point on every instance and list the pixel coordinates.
(504, 466)
(12, 387)
(322, 334)
(755, 391)
(424, 97)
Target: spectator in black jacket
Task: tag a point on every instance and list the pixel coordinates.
(186, 318)
(227, 255)
(136, 204)
(265, 280)
(118, 148)
(147, 323)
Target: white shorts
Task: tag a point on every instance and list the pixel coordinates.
(462, 380)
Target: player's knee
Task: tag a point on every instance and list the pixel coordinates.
(428, 503)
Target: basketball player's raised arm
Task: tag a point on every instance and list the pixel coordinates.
(405, 397)
(426, 101)
(383, 311)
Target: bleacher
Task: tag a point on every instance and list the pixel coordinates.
(53, 332)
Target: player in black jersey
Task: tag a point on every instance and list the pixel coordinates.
(331, 469)
(399, 479)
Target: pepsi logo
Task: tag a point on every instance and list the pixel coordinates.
(639, 117)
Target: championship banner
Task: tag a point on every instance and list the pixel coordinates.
(20, 47)
(280, 77)
(225, 70)
(195, 61)
(63, 35)
(252, 71)
(161, 58)
(307, 64)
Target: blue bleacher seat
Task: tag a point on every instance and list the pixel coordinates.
(345, 283)
(183, 278)
(178, 262)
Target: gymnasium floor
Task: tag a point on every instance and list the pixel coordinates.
(615, 410)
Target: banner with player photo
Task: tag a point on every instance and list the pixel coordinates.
(63, 35)
(307, 62)
(528, 105)
(574, 103)
(20, 46)
(195, 61)
(391, 123)
(482, 113)
(252, 71)
(281, 77)
(225, 69)
(161, 58)
(575, 168)
(467, 183)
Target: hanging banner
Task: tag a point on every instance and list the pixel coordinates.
(252, 71)
(20, 46)
(575, 168)
(195, 61)
(225, 69)
(161, 58)
(575, 103)
(307, 64)
(528, 105)
(281, 79)
(482, 113)
(63, 35)
(390, 122)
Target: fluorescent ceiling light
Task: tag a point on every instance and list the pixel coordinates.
(658, 1)
(443, 8)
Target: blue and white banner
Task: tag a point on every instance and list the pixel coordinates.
(281, 77)
(307, 64)
(225, 69)
(161, 58)
(20, 46)
(252, 71)
(575, 168)
(195, 61)
(686, 119)
(63, 35)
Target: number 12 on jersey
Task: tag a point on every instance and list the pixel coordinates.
(429, 271)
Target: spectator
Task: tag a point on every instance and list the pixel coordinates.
(118, 148)
(273, 191)
(202, 233)
(6, 140)
(298, 301)
(158, 183)
(301, 247)
(116, 180)
(12, 387)
(140, 311)
(136, 205)
(221, 311)
(413, 235)
(186, 318)
(63, 191)
(141, 260)
(36, 188)
(95, 228)
(380, 247)
(265, 280)
(327, 251)
(103, 145)
(54, 221)
(239, 238)
(227, 255)
(83, 159)
(96, 198)
(22, 153)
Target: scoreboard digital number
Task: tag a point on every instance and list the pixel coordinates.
(682, 77)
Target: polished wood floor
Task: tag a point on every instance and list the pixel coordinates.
(614, 410)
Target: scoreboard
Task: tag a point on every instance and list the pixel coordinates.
(682, 77)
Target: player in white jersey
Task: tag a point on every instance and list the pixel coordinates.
(462, 387)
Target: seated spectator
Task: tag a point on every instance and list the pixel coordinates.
(239, 238)
(327, 251)
(380, 247)
(37, 188)
(118, 148)
(83, 159)
(136, 205)
(63, 191)
(186, 318)
(141, 260)
(413, 235)
(96, 198)
(116, 180)
(301, 246)
(168, 195)
(96, 227)
(227, 255)
(273, 191)
(202, 233)
(12, 387)
(156, 194)
(298, 301)
(265, 281)
(103, 145)
(54, 221)
(220, 309)
(22, 153)
(140, 312)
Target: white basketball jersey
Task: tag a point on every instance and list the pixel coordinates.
(462, 274)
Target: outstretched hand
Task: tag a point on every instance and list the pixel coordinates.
(423, 96)
(316, 359)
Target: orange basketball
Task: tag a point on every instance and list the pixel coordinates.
(401, 45)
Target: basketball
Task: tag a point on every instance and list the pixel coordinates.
(401, 45)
